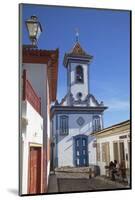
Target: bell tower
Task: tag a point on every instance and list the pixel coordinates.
(77, 62)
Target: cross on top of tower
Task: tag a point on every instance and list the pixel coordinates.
(77, 51)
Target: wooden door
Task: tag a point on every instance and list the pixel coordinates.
(34, 170)
(81, 150)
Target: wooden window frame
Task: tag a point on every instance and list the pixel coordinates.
(98, 152)
(96, 123)
(104, 156)
(64, 125)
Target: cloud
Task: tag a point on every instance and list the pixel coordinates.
(118, 105)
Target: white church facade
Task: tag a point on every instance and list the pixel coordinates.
(77, 115)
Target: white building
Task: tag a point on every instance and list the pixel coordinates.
(78, 114)
(113, 143)
(31, 144)
(41, 67)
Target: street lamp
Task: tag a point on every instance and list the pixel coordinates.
(34, 29)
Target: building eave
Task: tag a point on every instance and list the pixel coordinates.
(68, 57)
(76, 109)
(110, 130)
(48, 57)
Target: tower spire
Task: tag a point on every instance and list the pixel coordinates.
(77, 35)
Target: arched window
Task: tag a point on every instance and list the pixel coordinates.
(63, 125)
(96, 123)
(79, 74)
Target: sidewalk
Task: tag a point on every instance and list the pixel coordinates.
(74, 185)
(53, 184)
(57, 185)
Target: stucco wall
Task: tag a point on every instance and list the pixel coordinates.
(37, 75)
(32, 133)
(63, 149)
(111, 139)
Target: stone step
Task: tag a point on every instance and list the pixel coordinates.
(74, 169)
(72, 175)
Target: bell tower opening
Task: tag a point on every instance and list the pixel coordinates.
(79, 74)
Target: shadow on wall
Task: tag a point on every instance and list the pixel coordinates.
(78, 131)
(70, 139)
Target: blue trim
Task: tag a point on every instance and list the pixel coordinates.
(88, 76)
(64, 125)
(70, 77)
(74, 157)
(56, 159)
(79, 112)
(80, 148)
(96, 126)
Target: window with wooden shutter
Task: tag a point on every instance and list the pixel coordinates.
(98, 151)
(116, 151)
(105, 152)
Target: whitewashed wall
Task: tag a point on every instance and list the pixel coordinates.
(64, 148)
(32, 132)
(79, 87)
(37, 75)
(111, 139)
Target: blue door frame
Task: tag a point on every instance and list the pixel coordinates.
(80, 150)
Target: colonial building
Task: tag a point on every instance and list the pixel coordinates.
(41, 67)
(31, 139)
(77, 115)
(113, 143)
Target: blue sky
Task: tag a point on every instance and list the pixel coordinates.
(105, 34)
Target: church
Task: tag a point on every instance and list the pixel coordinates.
(77, 116)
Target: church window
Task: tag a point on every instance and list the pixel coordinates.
(79, 74)
(63, 125)
(96, 123)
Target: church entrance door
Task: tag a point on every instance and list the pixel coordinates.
(81, 150)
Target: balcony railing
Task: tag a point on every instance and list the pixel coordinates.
(30, 95)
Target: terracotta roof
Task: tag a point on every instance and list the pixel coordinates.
(49, 57)
(77, 52)
(124, 123)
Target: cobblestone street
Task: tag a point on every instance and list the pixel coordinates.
(81, 184)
